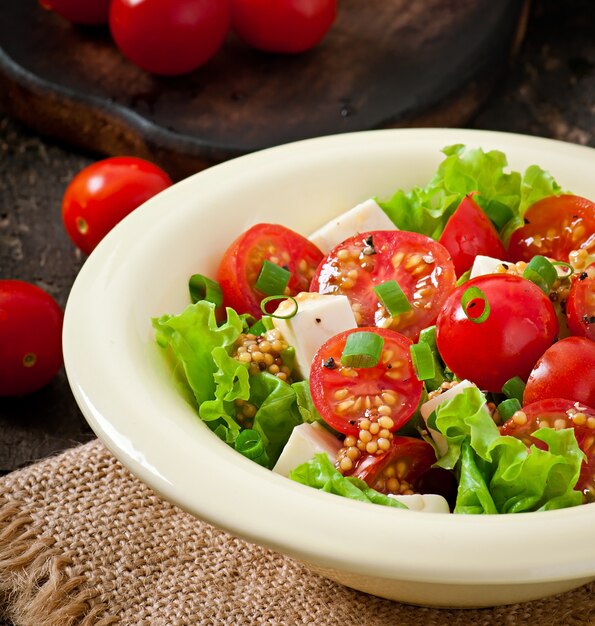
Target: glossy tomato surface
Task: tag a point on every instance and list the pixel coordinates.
(241, 264)
(286, 26)
(169, 37)
(468, 233)
(345, 396)
(80, 11)
(421, 266)
(520, 327)
(559, 413)
(104, 193)
(30, 338)
(566, 369)
(553, 228)
(580, 306)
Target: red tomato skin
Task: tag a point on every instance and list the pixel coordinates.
(571, 217)
(285, 26)
(522, 324)
(566, 369)
(169, 37)
(580, 306)
(240, 265)
(91, 12)
(468, 233)
(104, 193)
(30, 324)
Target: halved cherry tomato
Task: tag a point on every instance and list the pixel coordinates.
(468, 233)
(345, 396)
(521, 325)
(554, 227)
(241, 264)
(421, 266)
(30, 338)
(580, 306)
(559, 413)
(80, 11)
(566, 369)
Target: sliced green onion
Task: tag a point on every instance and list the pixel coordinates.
(362, 349)
(249, 443)
(258, 328)
(569, 269)
(463, 278)
(203, 288)
(428, 335)
(498, 213)
(291, 314)
(540, 271)
(272, 279)
(514, 388)
(423, 361)
(267, 322)
(392, 297)
(508, 408)
(470, 299)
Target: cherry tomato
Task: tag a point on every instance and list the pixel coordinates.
(421, 266)
(580, 306)
(241, 264)
(104, 193)
(30, 338)
(345, 396)
(287, 26)
(520, 326)
(169, 37)
(566, 369)
(79, 11)
(554, 227)
(559, 413)
(468, 233)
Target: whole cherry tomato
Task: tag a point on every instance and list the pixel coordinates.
(580, 307)
(104, 193)
(169, 37)
(288, 26)
(30, 338)
(80, 11)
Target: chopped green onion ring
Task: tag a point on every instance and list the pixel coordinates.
(540, 271)
(203, 288)
(362, 349)
(514, 388)
(567, 266)
(508, 408)
(272, 279)
(468, 299)
(291, 314)
(249, 443)
(463, 278)
(423, 361)
(392, 297)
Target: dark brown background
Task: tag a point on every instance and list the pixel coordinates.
(549, 91)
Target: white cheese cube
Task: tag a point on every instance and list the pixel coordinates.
(427, 502)
(361, 218)
(483, 265)
(319, 317)
(305, 441)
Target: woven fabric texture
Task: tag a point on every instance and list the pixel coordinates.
(82, 542)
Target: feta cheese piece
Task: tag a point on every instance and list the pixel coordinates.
(427, 502)
(305, 441)
(483, 265)
(319, 317)
(361, 218)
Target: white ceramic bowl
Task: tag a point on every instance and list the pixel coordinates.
(125, 390)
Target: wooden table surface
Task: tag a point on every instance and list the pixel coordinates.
(550, 91)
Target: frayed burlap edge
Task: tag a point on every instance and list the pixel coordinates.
(34, 576)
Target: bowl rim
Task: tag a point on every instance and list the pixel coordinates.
(260, 506)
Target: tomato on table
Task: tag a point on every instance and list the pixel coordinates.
(286, 26)
(421, 266)
(519, 328)
(242, 262)
(104, 193)
(559, 413)
(347, 396)
(92, 12)
(554, 227)
(580, 306)
(30, 338)
(470, 232)
(169, 37)
(566, 369)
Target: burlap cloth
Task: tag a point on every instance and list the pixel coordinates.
(83, 542)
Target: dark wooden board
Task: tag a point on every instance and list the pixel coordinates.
(384, 63)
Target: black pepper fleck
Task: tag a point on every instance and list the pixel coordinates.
(582, 275)
(330, 363)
